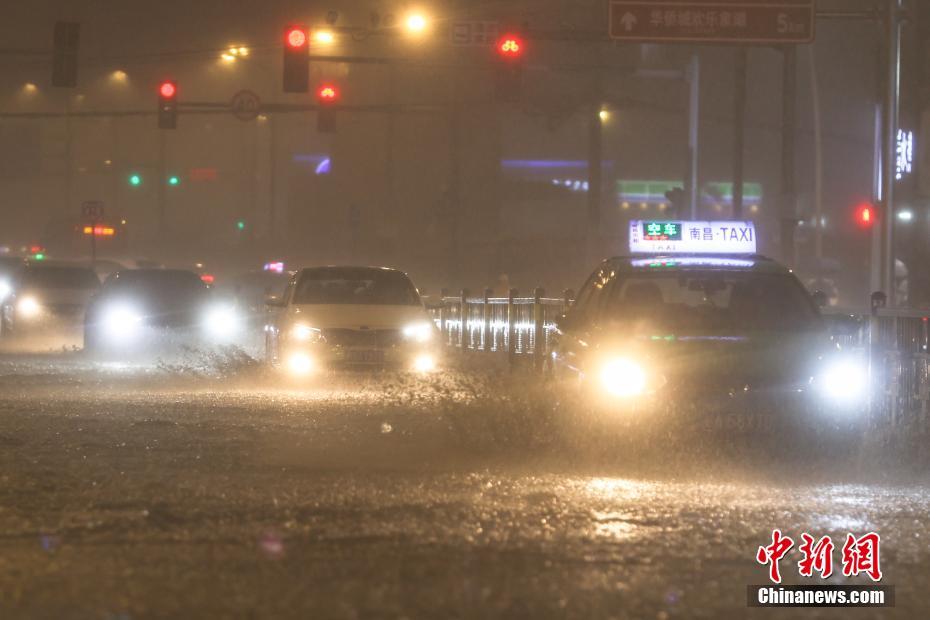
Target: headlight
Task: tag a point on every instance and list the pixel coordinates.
(844, 380)
(304, 333)
(121, 321)
(623, 377)
(28, 307)
(419, 332)
(5, 289)
(300, 364)
(424, 363)
(222, 321)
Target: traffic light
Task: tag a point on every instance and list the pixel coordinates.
(296, 59)
(327, 96)
(174, 180)
(509, 48)
(135, 179)
(65, 54)
(168, 105)
(865, 215)
(240, 224)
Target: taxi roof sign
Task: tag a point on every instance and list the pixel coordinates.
(689, 237)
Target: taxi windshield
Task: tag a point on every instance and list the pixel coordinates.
(722, 302)
(350, 285)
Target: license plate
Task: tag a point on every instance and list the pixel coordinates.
(365, 357)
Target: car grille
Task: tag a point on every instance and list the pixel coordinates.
(371, 339)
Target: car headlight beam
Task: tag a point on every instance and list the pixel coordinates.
(222, 321)
(424, 363)
(844, 381)
(623, 377)
(121, 322)
(302, 332)
(419, 332)
(28, 307)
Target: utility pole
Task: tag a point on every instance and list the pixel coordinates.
(160, 187)
(692, 188)
(595, 182)
(739, 129)
(889, 134)
(789, 215)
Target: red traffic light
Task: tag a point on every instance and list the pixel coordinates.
(296, 37)
(510, 46)
(327, 93)
(865, 215)
(168, 90)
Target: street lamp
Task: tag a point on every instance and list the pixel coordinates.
(416, 23)
(324, 37)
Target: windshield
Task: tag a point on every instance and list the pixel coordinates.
(157, 283)
(718, 302)
(340, 285)
(60, 277)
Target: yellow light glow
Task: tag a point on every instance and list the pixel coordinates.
(243, 51)
(323, 37)
(28, 307)
(623, 377)
(300, 364)
(424, 363)
(416, 23)
(30, 88)
(228, 58)
(604, 115)
(119, 77)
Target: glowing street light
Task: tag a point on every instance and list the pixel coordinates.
(30, 89)
(119, 77)
(416, 23)
(604, 115)
(323, 37)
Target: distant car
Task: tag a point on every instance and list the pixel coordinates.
(139, 308)
(9, 268)
(359, 317)
(46, 297)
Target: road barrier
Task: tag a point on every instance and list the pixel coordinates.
(512, 325)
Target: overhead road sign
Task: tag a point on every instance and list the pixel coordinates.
(713, 21)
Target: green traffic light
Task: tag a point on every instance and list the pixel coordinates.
(174, 180)
(135, 180)
(39, 256)
(240, 224)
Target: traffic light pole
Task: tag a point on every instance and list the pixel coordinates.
(692, 189)
(739, 129)
(789, 214)
(889, 134)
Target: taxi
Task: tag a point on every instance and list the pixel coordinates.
(693, 320)
(346, 317)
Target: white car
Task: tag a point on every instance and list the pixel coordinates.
(47, 298)
(351, 317)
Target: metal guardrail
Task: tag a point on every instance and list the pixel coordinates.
(513, 325)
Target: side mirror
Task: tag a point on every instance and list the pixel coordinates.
(273, 301)
(820, 299)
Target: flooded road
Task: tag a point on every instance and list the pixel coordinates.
(210, 488)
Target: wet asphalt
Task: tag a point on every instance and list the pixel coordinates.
(207, 486)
